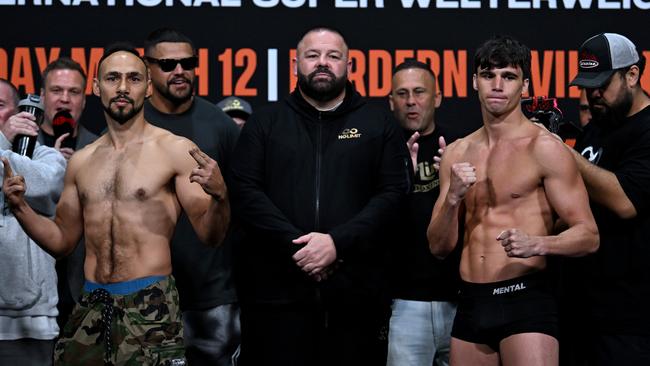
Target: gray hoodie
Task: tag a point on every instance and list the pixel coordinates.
(27, 275)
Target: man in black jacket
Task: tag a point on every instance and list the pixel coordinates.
(316, 182)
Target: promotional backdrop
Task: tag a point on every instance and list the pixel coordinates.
(246, 46)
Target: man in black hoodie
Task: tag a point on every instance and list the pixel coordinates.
(317, 180)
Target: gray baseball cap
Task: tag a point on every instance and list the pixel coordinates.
(600, 56)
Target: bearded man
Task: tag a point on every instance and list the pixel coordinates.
(610, 290)
(124, 194)
(317, 180)
(203, 274)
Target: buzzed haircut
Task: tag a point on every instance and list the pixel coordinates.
(503, 51)
(411, 63)
(322, 29)
(63, 63)
(14, 91)
(119, 47)
(165, 34)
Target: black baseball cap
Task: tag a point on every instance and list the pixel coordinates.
(600, 56)
(235, 106)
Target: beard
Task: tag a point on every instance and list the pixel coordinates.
(119, 115)
(322, 90)
(177, 99)
(611, 115)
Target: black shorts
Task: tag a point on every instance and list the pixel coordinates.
(490, 312)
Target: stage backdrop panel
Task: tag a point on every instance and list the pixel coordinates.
(246, 46)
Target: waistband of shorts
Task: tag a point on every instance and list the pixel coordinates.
(513, 285)
(126, 287)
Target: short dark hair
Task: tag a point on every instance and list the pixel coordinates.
(119, 47)
(63, 63)
(323, 29)
(503, 51)
(14, 91)
(411, 63)
(165, 34)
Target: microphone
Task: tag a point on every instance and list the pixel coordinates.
(23, 144)
(63, 123)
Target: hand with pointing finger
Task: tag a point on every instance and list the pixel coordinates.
(208, 175)
(13, 186)
(518, 244)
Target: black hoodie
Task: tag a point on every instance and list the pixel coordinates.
(298, 170)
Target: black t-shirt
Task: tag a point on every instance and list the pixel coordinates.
(618, 275)
(588, 143)
(417, 274)
(203, 274)
(84, 137)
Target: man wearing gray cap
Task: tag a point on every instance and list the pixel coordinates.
(238, 109)
(616, 279)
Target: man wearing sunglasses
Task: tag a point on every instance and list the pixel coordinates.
(203, 274)
(616, 279)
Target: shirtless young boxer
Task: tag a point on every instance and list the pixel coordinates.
(508, 181)
(125, 192)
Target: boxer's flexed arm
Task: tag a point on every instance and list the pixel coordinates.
(202, 192)
(566, 193)
(58, 237)
(456, 178)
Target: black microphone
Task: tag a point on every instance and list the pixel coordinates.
(23, 144)
(63, 123)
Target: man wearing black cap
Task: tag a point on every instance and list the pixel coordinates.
(238, 109)
(616, 279)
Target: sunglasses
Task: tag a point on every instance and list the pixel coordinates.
(169, 64)
(584, 107)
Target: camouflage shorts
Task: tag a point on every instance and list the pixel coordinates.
(145, 328)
